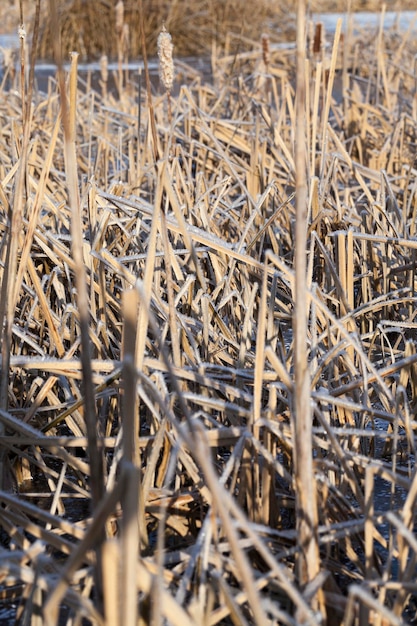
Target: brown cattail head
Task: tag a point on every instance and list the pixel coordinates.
(318, 39)
(266, 55)
(120, 11)
(166, 64)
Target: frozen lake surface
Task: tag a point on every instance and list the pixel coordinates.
(403, 20)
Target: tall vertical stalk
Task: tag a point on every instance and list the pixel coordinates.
(306, 503)
(131, 501)
(68, 115)
(148, 84)
(94, 445)
(9, 287)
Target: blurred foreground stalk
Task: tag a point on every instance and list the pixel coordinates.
(306, 499)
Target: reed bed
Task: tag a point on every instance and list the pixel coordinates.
(91, 27)
(147, 426)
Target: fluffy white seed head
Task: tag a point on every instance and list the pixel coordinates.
(166, 64)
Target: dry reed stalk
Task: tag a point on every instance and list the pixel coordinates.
(133, 527)
(69, 120)
(104, 74)
(111, 579)
(148, 83)
(174, 331)
(16, 211)
(329, 91)
(68, 115)
(122, 33)
(308, 559)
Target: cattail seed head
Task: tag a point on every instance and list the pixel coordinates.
(104, 68)
(166, 64)
(266, 54)
(318, 39)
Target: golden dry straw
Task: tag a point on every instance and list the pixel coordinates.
(151, 304)
(119, 10)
